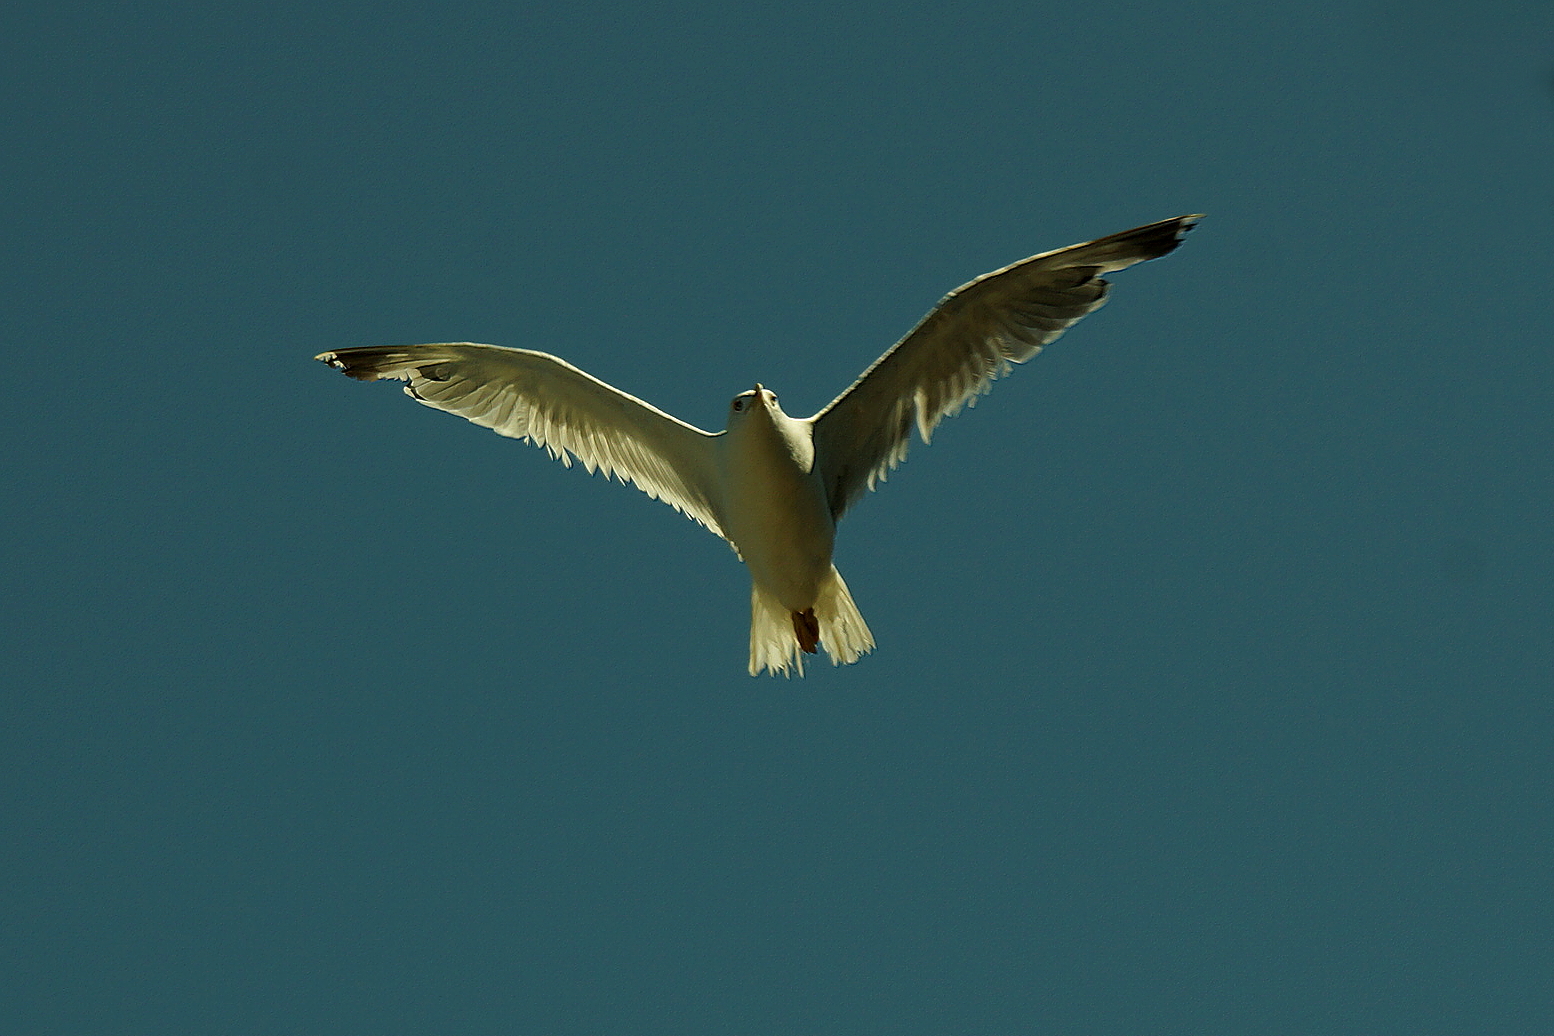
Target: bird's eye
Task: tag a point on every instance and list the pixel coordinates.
(739, 404)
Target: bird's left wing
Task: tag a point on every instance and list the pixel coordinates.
(542, 398)
(963, 345)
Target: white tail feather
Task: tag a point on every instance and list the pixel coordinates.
(775, 648)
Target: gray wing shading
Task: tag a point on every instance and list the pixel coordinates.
(957, 351)
(543, 399)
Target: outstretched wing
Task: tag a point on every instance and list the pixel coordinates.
(969, 339)
(541, 398)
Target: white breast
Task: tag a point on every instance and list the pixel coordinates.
(775, 510)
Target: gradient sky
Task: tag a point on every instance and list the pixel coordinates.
(1215, 646)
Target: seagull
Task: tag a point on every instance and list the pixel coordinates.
(775, 486)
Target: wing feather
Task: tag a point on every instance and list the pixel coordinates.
(543, 399)
(970, 339)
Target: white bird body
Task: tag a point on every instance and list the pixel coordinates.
(774, 509)
(775, 486)
(775, 513)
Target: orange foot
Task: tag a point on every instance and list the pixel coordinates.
(807, 628)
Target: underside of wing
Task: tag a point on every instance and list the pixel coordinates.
(543, 399)
(962, 346)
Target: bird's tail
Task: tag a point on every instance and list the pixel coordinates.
(774, 644)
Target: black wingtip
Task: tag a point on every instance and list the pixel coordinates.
(1158, 239)
(359, 372)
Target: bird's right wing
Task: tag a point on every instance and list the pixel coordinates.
(543, 399)
(969, 339)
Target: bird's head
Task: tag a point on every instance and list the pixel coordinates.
(758, 400)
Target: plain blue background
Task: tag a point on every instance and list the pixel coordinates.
(1213, 686)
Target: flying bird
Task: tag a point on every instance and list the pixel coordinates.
(775, 486)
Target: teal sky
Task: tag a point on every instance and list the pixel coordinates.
(1213, 684)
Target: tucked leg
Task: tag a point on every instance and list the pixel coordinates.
(807, 629)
